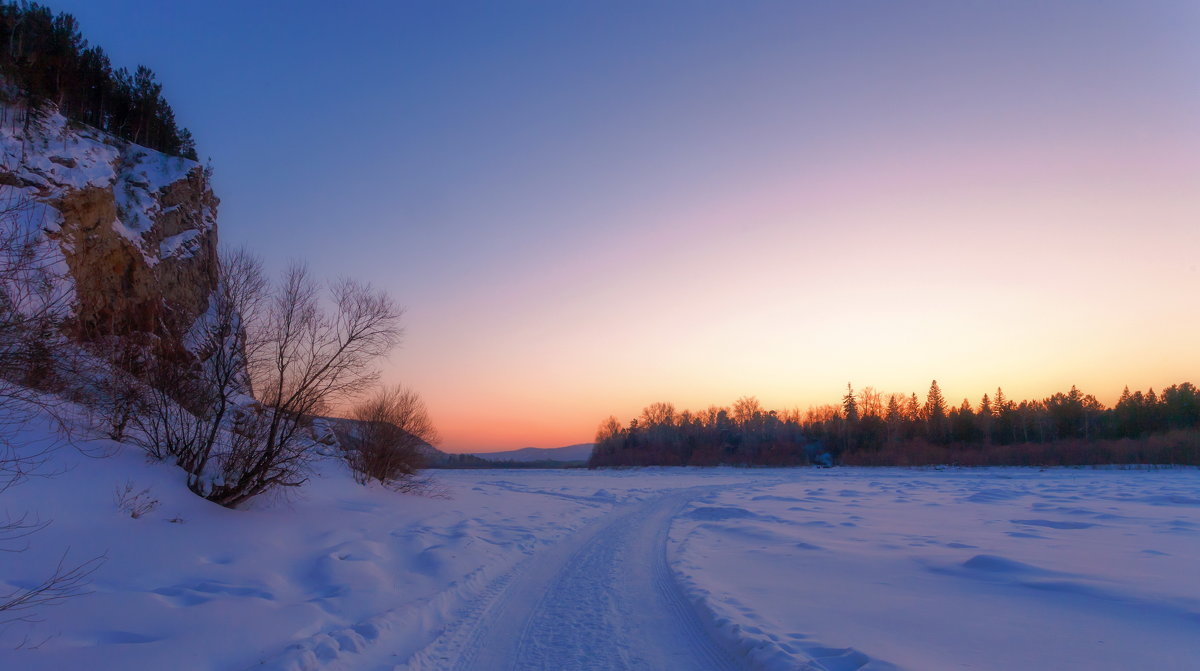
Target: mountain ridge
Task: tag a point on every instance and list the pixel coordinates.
(577, 452)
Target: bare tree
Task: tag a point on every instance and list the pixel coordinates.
(659, 414)
(268, 360)
(195, 412)
(385, 444)
(608, 428)
(746, 410)
(304, 356)
(871, 402)
(224, 341)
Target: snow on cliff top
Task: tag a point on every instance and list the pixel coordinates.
(52, 156)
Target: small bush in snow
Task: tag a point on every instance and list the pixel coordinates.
(385, 445)
(135, 503)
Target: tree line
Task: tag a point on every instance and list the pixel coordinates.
(45, 57)
(869, 427)
(743, 434)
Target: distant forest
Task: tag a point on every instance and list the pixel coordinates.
(869, 428)
(45, 56)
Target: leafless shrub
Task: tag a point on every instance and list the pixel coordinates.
(303, 355)
(385, 444)
(136, 503)
(24, 459)
(163, 427)
(34, 299)
(187, 412)
(65, 582)
(20, 604)
(18, 528)
(293, 349)
(33, 307)
(109, 384)
(422, 485)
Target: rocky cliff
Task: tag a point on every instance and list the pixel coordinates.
(136, 229)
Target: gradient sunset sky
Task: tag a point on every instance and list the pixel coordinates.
(590, 206)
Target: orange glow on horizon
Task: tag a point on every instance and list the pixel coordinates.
(789, 293)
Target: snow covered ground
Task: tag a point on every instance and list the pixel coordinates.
(642, 569)
(957, 569)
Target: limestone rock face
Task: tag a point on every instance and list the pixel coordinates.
(136, 229)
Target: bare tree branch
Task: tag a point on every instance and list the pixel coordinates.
(384, 443)
(67, 581)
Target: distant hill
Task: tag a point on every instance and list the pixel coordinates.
(535, 457)
(342, 427)
(579, 452)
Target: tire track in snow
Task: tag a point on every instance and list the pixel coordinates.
(604, 598)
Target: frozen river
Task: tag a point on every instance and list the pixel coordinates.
(832, 569)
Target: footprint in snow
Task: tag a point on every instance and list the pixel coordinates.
(113, 637)
(194, 594)
(1054, 524)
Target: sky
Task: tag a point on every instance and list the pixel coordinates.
(587, 207)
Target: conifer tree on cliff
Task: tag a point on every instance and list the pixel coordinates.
(46, 58)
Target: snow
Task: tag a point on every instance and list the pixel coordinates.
(57, 154)
(647, 569)
(54, 156)
(982, 569)
(143, 173)
(156, 170)
(180, 244)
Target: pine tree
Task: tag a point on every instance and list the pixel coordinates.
(962, 423)
(894, 417)
(935, 403)
(893, 411)
(985, 418)
(934, 413)
(912, 408)
(850, 404)
(47, 58)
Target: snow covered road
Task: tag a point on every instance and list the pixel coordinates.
(602, 599)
